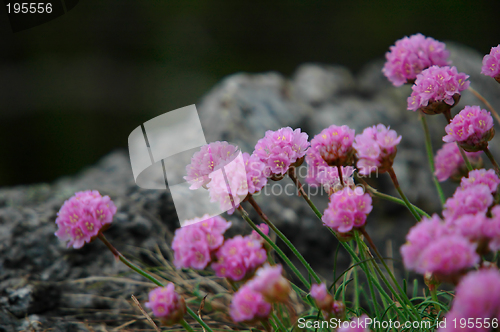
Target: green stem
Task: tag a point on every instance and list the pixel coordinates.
(356, 286)
(245, 216)
(282, 236)
(403, 196)
(186, 326)
(466, 160)
(492, 159)
(370, 284)
(137, 269)
(430, 157)
(302, 192)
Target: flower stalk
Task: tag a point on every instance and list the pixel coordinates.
(403, 196)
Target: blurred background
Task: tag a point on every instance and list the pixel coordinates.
(74, 88)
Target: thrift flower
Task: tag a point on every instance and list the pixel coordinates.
(83, 216)
(410, 55)
(248, 305)
(476, 299)
(281, 149)
(211, 157)
(376, 149)
(472, 128)
(347, 209)
(269, 281)
(471, 200)
(450, 164)
(334, 145)
(491, 63)
(437, 89)
(323, 299)
(256, 173)
(195, 243)
(168, 306)
(492, 230)
(238, 257)
(481, 176)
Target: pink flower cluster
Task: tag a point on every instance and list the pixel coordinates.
(195, 243)
(325, 301)
(256, 173)
(376, 149)
(476, 299)
(238, 257)
(83, 216)
(471, 200)
(432, 247)
(481, 176)
(347, 209)
(282, 148)
(450, 164)
(491, 63)
(166, 304)
(437, 84)
(410, 55)
(472, 128)
(211, 157)
(333, 145)
(319, 173)
(248, 305)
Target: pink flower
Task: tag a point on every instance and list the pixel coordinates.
(323, 299)
(334, 145)
(437, 89)
(248, 305)
(269, 281)
(357, 324)
(472, 128)
(194, 244)
(211, 157)
(238, 257)
(282, 148)
(256, 236)
(472, 200)
(412, 55)
(481, 176)
(470, 226)
(256, 173)
(491, 63)
(450, 164)
(476, 297)
(347, 209)
(167, 305)
(492, 229)
(376, 149)
(83, 216)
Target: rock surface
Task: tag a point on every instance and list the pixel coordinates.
(45, 285)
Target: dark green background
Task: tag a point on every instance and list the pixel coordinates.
(74, 88)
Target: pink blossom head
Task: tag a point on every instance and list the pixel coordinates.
(481, 176)
(357, 324)
(83, 216)
(491, 63)
(248, 305)
(471, 200)
(195, 243)
(450, 163)
(410, 55)
(238, 257)
(256, 173)
(470, 226)
(280, 149)
(476, 297)
(334, 145)
(347, 209)
(376, 149)
(269, 281)
(472, 128)
(437, 89)
(211, 157)
(168, 306)
(492, 229)
(323, 299)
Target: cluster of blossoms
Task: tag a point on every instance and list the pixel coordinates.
(437, 89)
(491, 63)
(376, 149)
(347, 209)
(476, 298)
(83, 216)
(472, 128)
(325, 301)
(450, 163)
(410, 55)
(195, 243)
(281, 149)
(253, 300)
(168, 306)
(334, 145)
(256, 173)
